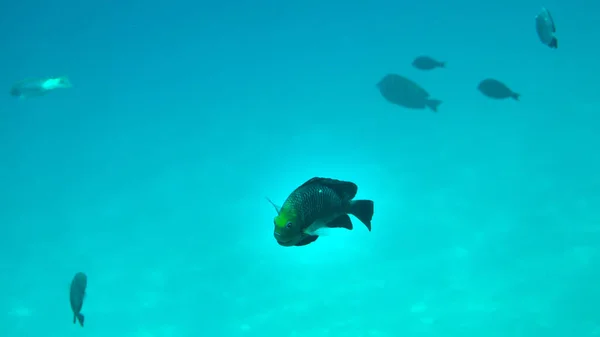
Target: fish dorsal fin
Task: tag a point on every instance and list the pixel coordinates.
(277, 208)
(345, 189)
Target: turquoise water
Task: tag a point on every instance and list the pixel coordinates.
(150, 174)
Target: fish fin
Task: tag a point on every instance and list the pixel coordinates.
(554, 43)
(345, 189)
(551, 20)
(442, 64)
(307, 240)
(342, 221)
(74, 318)
(433, 104)
(277, 208)
(515, 96)
(363, 210)
(323, 231)
(81, 319)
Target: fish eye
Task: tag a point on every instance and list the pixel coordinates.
(288, 225)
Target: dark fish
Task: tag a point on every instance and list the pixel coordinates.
(404, 92)
(496, 89)
(427, 63)
(544, 25)
(77, 295)
(318, 203)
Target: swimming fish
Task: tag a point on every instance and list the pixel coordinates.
(495, 89)
(77, 294)
(427, 63)
(38, 86)
(401, 91)
(544, 25)
(319, 203)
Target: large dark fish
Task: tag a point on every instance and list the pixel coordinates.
(77, 295)
(404, 92)
(318, 203)
(495, 89)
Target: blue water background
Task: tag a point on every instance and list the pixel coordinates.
(150, 174)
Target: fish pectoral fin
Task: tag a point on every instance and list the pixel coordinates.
(307, 240)
(345, 189)
(342, 221)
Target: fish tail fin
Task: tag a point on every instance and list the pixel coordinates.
(442, 64)
(80, 318)
(515, 96)
(433, 104)
(65, 82)
(554, 43)
(363, 210)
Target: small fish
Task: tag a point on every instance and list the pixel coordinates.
(544, 25)
(77, 295)
(496, 89)
(38, 86)
(316, 204)
(427, 63)
(401, 91)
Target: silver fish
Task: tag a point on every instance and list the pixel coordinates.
(34, 87)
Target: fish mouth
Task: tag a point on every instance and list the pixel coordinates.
(281, 241)
(285, 243)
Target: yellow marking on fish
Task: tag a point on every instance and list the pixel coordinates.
(285, 216)
(280, 221)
